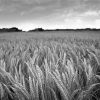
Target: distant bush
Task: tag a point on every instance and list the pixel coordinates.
(13, 29)
(37, 29)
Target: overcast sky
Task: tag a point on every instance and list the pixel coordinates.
(29, 14)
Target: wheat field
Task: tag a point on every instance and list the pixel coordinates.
(50, 68)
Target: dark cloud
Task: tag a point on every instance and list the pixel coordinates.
(26, 5)
(95, 4)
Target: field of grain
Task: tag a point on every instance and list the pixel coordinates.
(50, 66)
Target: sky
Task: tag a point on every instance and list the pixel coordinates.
(49, 14)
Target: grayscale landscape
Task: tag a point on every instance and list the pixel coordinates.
(49, 50)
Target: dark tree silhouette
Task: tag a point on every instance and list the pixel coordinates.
(13, 29)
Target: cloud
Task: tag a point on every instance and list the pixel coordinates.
(54, 13)
(91, 13)
(77, 5)
(93, 3)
